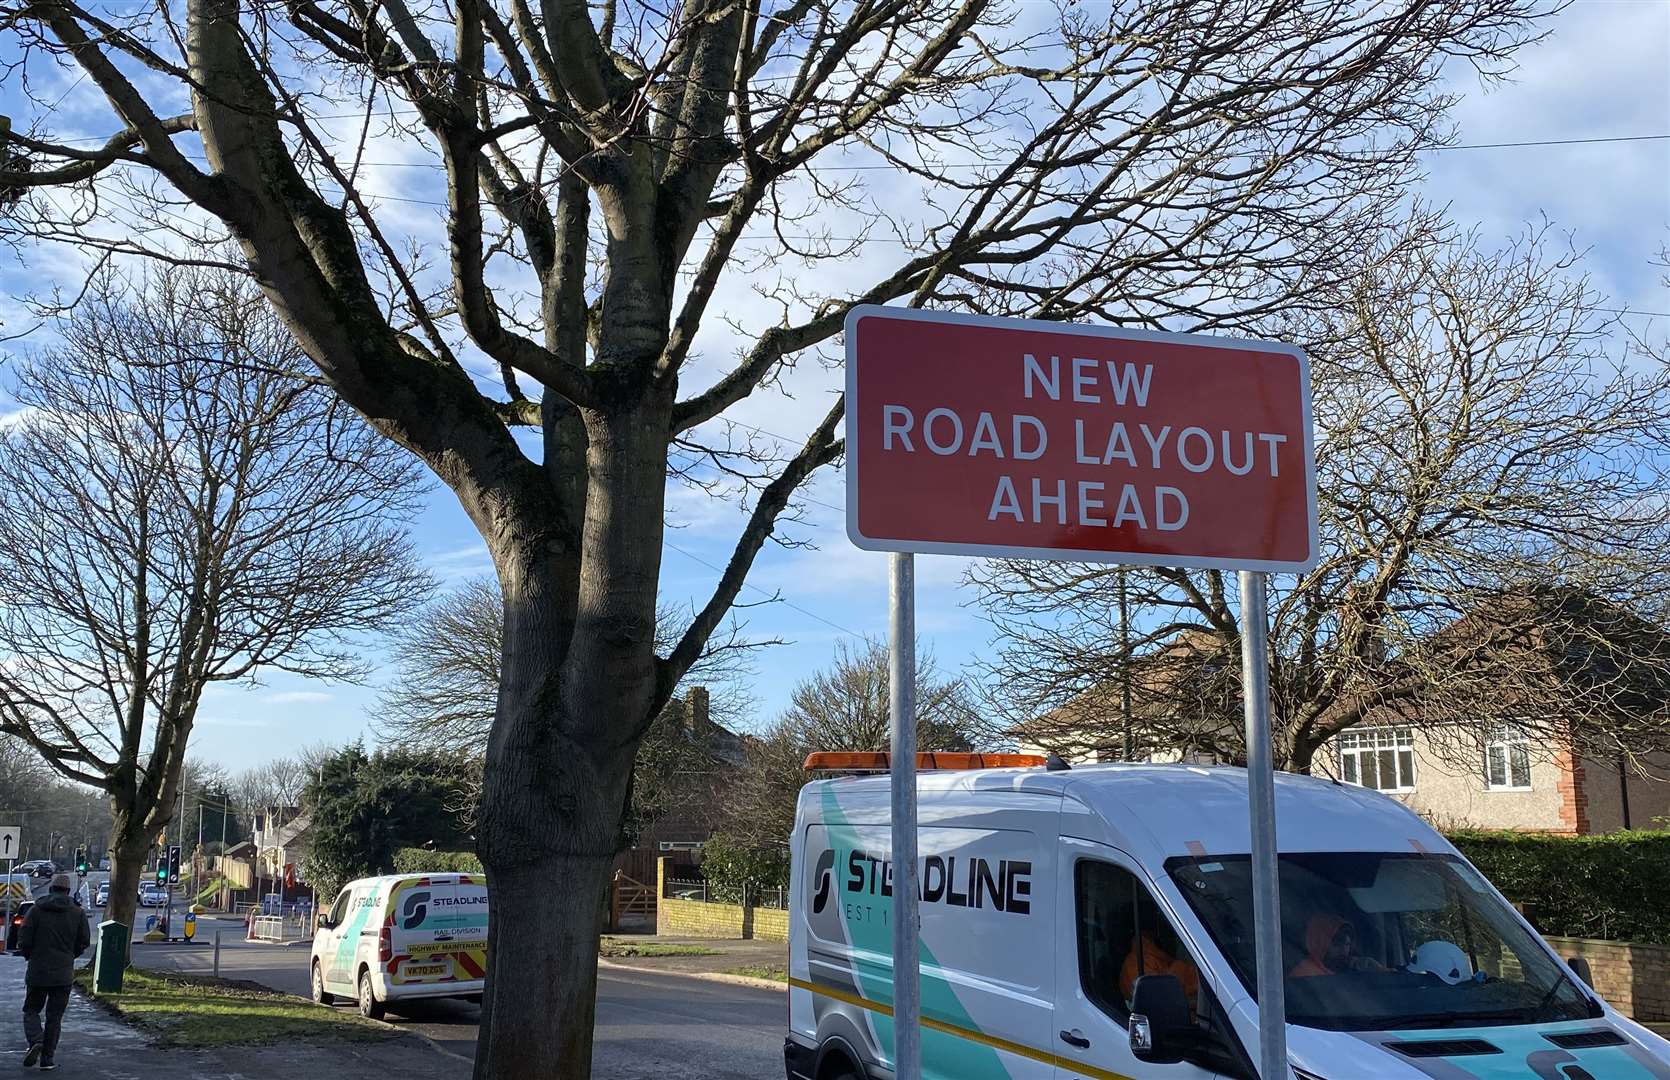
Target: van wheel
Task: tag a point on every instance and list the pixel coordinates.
(320, 995)
(370, 1007)
(840, 1069)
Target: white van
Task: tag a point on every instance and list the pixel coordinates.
(1057, 904)
(391, 939)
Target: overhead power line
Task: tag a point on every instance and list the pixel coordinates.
(776, 597)
(437, 166)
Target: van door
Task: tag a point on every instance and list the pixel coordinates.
(1111, 932)
(439, 933)
(329, 935)
(341, 962)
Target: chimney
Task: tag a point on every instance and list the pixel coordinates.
(697, 703)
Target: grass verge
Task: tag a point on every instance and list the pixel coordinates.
(616, 949)
(196, 1012)
(773, 972)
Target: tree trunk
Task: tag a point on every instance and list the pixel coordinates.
(561, 896)
(1302, 755)
(128, 847)
(552, 801)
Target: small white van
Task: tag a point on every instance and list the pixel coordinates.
(411, 936)
(1057, 905)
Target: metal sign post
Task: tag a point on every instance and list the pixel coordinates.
(1009, 438)
(1261, 806)
(9, 835)
(901, 684)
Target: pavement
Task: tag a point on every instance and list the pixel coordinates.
(97, 1046)
(730, 956)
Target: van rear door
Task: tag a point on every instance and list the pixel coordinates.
(439, 932)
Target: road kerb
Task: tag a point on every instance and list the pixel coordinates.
(705, 976)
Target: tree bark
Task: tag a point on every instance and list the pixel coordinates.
(562, 895)
(550, 814)
(129, 845)
(1302, 754)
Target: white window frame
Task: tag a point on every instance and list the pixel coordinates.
(680, 845)
(1507, 740)
(1358, 743)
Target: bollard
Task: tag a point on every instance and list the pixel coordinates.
(111, 960)
(217, 954)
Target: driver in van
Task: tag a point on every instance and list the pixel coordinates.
(1331, 942)
(1155, 959)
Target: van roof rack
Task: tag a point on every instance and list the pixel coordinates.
(936, 760)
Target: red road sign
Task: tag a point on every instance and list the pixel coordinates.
(980, 436)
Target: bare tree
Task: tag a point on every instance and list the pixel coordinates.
(1147, 162)
(843, 707)
(447, 655)
(446, 689)
(1491, 475)
(281, 782)
(178, 509)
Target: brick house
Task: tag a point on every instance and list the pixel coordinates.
(1501, 775)
(1511, 782)
(692, 816)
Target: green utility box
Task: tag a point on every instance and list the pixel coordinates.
(111, 960)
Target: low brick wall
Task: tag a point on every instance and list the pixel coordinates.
(694, 918)
(1634, 979)
(771, 924)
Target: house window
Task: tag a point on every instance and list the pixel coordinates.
(1379, 758)
(1507, 760)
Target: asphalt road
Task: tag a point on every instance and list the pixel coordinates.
(649, 1026)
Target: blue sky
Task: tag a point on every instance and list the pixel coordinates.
(1604, 72)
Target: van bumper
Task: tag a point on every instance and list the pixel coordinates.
(413, 991)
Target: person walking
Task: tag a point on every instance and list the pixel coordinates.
(53, 935)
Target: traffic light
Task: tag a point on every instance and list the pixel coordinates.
(162, 869)
(81, 860)
(174, 863)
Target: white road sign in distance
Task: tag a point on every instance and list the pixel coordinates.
(8, 841)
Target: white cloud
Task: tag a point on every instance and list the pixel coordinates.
(232, 722)
(9, 420)
(297, 697)
(471, 561)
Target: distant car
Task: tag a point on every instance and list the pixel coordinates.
(152, 895)
(19, 913)
(102, 897)
(36, 868)
(104, 864)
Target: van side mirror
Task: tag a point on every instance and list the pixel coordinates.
(1161, 1033)
(1580, 967)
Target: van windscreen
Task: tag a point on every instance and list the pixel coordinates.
(1376, 941)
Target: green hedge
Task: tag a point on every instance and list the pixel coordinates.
(731, 867)
(1615, 886)
(414, 860)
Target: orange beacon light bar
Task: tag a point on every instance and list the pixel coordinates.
(881, 761)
